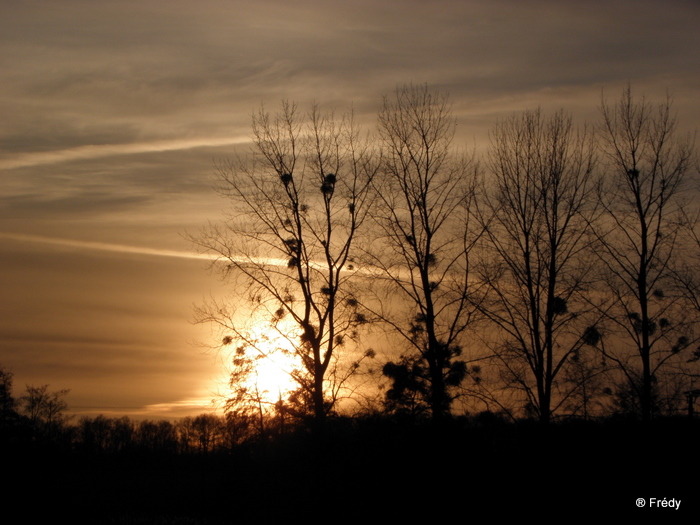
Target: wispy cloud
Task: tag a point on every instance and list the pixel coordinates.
(109, 150)
(242, 261)
(103, 246)
(141, 250)
(178, 408)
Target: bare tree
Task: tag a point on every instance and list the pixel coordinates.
(298, 202)
(96, 434)
(586, 374)
(8, 404)
(423, 243)
(535, 214)
(202, 434)
(45, 409)
(687, 281)
(638, 237)
(156, 436)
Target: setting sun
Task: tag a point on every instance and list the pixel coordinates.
(262, 363)
(272, 378)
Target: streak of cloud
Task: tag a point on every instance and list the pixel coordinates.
(108, 150)
(103, 246)
(178, 408)
(140, 250)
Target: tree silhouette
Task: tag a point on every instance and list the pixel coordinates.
(686, 278)
(299, 200)
(638, 237)
(8, 404)
(586, 374)
(97, 434)
(535, 216)
(423, 240)
(45, 410)
(159, 437)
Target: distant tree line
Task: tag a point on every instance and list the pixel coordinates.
(212, 469)
(210, 434)
(39, 418)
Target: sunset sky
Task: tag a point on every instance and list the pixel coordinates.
(113, 115)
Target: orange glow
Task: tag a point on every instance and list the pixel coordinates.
(272, 379)
(270, 353)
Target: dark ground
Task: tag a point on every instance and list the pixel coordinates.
(373, 471)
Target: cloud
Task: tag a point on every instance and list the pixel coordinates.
(109, 150)
(86, 203)
(101, 246)
(165, 74)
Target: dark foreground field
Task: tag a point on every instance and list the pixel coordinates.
(372, 471)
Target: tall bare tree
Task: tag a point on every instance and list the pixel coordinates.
(638, 236)
(423, 243)
(298, 201)
(535, 214)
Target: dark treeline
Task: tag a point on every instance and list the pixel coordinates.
(128, 472)
(211, 469)
(38, 420)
